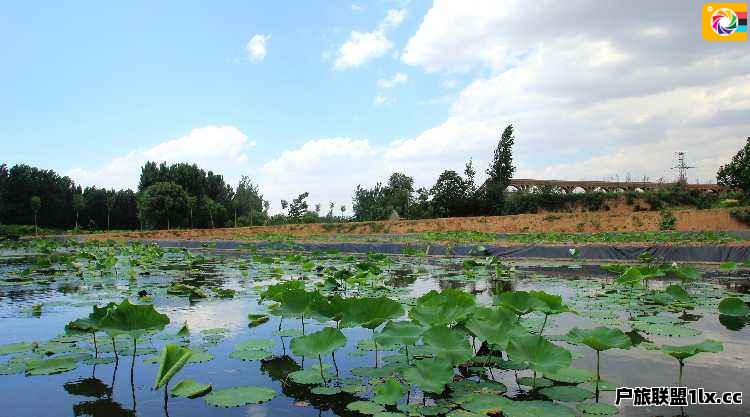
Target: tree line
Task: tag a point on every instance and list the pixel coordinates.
(183, 195)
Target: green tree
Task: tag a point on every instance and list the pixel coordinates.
(449, 195)
(212, 208)
(78, 203)
(109, 202)
(191, 202)
(36, 203)
(298, 207)
(500, 172)
(248, 203)
(164, 203)
(736, 174)
(3, 189)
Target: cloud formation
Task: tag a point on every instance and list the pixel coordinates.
(256, 47)
(362, 47)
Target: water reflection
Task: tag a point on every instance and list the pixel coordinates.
(103, 406)
(278, 368)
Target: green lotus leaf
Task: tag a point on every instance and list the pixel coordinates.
(686, 273)
(600, 338)
(296, 302)
(172, 359)
(50, 366)
(255, 344)
(178, 288)
(487, 404)
(365, 407)
(632, 276)
(276, 292)
(370, 312)
(449, 344)
(430, 375)
(15, 348)
(389, 392)
(399, 333)
(90, 323)
(389, 414)
(566, 394)
(132, 319)
(664, 329)
(520, 302)
(589, 409)
(733, 306)
(496, 326)
(250, 355)
(535, 382)
(537, 409)
(678, 293)
(189, 388)
(443, 308)
(200, 356)
(541, 354)
(184, 331)
(570, 375)
(321, 342)
(310, 376)
(257, 319)
(551, 303)
(239, 396)
(325, 390)
(686, 351)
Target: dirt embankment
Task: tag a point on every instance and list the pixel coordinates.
(616, 220)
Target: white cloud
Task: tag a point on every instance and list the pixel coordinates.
(380, 99)
(256, 47)
(218, 148)
(398, 78)
(356, 7)
(329, 169)
(362, 47)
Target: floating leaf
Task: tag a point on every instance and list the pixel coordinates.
(325, 390)
(189, 388)
(570, 375)
(257, 319)
(597, 409)
(250, 355)
(365, 407)
(15, 348)
(734, 307)
(239, 396)
(255, 344)
(50, 366)
(567, 394)
(537, 409)
(399, 333)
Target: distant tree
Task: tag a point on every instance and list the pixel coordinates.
(212, 207)
(109, 202)
(191, 202)
(343, 209)
(330, 210)
(500, 172)
(317, 209)
(77, 202)
(3, 189)
(736, 174)
(449, 195)
(298, 207)
(36, 203)
(164, 203)
(398, 193)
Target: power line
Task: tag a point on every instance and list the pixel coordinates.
(682, 168)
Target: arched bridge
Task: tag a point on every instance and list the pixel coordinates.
(527, 185)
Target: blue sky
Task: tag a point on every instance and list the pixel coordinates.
(340, 93)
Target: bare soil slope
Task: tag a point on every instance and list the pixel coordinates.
(599, 221)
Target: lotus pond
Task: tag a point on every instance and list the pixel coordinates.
(105, 329)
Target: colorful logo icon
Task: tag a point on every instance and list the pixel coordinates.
(724, 22)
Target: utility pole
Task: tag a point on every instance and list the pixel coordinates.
(681, 168)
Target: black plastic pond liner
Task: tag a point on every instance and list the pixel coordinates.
(693, 253)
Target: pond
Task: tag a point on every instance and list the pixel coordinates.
(431, 318)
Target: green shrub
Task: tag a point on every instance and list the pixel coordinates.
(668, 220)
(742, 214)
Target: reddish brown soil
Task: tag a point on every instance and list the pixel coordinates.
(616, 219)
